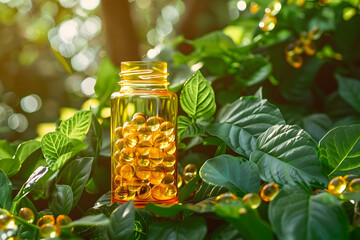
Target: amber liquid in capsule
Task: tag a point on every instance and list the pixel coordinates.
(143, 136)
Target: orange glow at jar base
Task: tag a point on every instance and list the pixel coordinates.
(143, 136)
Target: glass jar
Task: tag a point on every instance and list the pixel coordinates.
(144, 136)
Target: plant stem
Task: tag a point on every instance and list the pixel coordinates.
(22, 221)
(141, 232)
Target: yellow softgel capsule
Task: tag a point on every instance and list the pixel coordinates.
(120, 144)
(337, 185)
(46, 219)
(158, 172)
(131, 195)
(154, 181)
(310, 48)
(144, 147)
(117, 169)
(170, 148)
(170, 191)
(179, 181)
(269, 191)
(128, 128)
(118, 132)
(348, 178)
(254, 7)
(168, 179)
(145, 182)
(63, 220)
(139, 114)
(117, 156)
(167, 128)
(170, 170)
(156, 155)
(131, 139)
(295, 60)
(190, 171)
(169, 160)
(354, 185)
(267, 23)
(121, 192)
(138, 121)
(117, 180)
(128, 154)
(144, 191)
(158, 192)
(242, 211)
(252, 199)
(171, 137)
(7, 221)
(49, 230)
(145, 133)
(153, 123)
(298, 47)
(143, 172)
(143, 160)
(225, 197)
(160, 140)
(134, 184)
(273, 8)
(27, 214)
(127, 171)
(188, 177)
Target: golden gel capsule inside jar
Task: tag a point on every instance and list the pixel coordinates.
(143, 129)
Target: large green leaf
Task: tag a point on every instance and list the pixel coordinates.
(121, 222)
(25, 149)
(240, 123)
(5, 191)
(340, 148)
(6, 150)
(94, 138)
(254, 69)
(349, 89)
(317, 125)
(188, 189)
(206, 191)
(230, 172)
(10, 166)
(197, 98)
(287, 154)
(213, 43)
(249, 225)
(193, 227)
(57, 149)
(62, 198)
(188, 128)
(76, 175)
(77, 126)
(99, 219)
(297, 214)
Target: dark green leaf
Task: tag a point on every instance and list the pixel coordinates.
(164, 210)
(76, 174)
(25, 149)
(240, 123)
(105, 199)
(193, 227)
(5, 191)
(144, 217)
(10, 166)
(213, 43)
(249, 225)
(26, 232)
(56, 148)
(6, 150)
(349, 89)
(77, 126)
(296, 214)
(121, 222)
(188, 189)
(99, 219)
(62, 198)
(255, 70)
(197, 98)
(220, 150)
(287, 154)
(188, 128)
(340, 148)
(230, 172)
(317, 125)
(94, 138)
(347, 196)
(206, 191)
(225, 232)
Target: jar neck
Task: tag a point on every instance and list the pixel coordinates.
(143, 76)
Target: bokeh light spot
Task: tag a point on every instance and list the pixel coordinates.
(31, 103)
(88, 85)
(241, 5)
(68, 30)
(89, 4)
(18, 122)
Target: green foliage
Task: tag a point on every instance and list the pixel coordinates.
(5, 191)
(62, 198)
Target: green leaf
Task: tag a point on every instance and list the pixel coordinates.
(240, 123)
(197, 98)
(220, 150)
(249, 225)
(255, 69)
(76, 175)
(5, 191)
(188, 189)
(188, 128)
(340, 148)
(193, 227)
(347, 196)
(287, 154)
(77, 126)
(26, 232)
(99, 219)
(62, 198)
(94, 138)
(25, 149)
(213, 43)
(296, 214)
(230, 172)
(57, 149)
(317, 125)
(105, 199)
(206, 191)
(225, 232)
(10, 166)
(121, 222)
(6, 150)
(349, 89)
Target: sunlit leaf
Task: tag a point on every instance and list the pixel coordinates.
(77, 126)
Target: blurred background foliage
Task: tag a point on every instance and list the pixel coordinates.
(59, 56)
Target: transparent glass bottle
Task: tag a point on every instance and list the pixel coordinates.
(144, 136)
